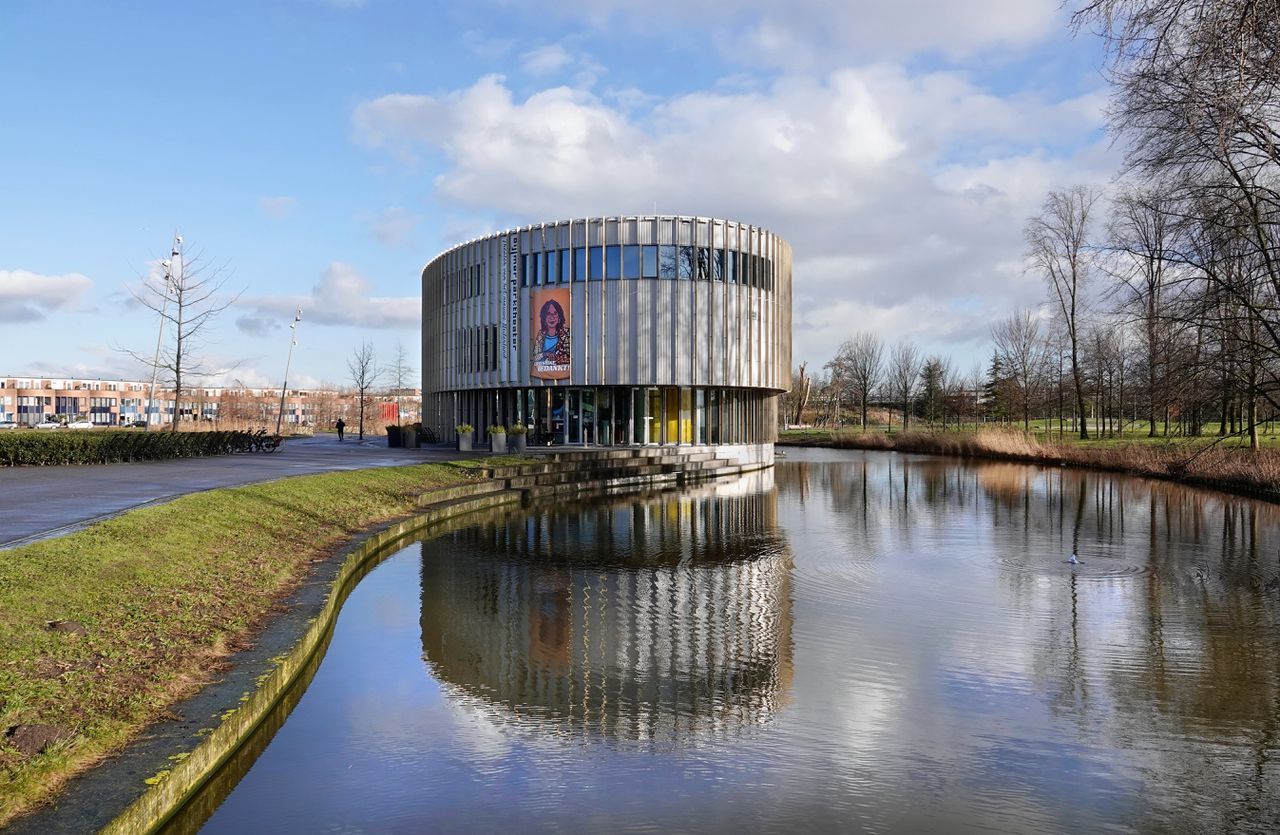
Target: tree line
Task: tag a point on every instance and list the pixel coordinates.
(1162, 303)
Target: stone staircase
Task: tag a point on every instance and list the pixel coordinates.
(577, 472)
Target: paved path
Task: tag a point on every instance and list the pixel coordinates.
(39, 502)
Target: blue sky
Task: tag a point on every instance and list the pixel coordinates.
(321, 152)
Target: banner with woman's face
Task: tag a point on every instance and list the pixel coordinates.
(550, 350)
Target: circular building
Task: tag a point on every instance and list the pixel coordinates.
(655, 329)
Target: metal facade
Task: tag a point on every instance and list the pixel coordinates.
(626, 332)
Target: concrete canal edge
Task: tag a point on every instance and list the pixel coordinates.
(563, 475)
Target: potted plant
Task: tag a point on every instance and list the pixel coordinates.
(393, 435)
(464, 431)
(418, 434)
(409, 436)
(498, 439)
(519, 437)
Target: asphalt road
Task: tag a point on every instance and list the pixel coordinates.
(39, 502)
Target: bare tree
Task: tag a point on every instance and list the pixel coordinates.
(363, 366)
(800, 393)
(1023, 355)
(904, 369)
(1057, 247)
(324, 405)
(401, 378)
(860, 362)
(1195, 99)
(1141, 230)
(187, 296)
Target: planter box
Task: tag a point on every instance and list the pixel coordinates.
(394, 437)
(518, 442)
(498, 442)
(409, 438)
(464, 442)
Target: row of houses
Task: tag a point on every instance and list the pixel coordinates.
(28, 401)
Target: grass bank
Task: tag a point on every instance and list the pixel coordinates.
(102, 630)
(1192, 461)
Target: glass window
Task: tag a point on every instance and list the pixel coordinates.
(704, 264)
(666, 262)
(524, 270)
(717, 265)
(566, 266)
(613, 262)
(579, 264)
(631, 261)
(595, 256)
(535, 269)
(552, 274)
(685, 263)
(649, 259)
(731, 268)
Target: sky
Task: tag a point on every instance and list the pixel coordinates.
(318, 153)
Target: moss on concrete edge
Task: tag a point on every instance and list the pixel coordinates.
(165, 797)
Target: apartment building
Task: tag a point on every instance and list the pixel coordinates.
(31, 400)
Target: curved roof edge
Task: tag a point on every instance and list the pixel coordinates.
(530, 226)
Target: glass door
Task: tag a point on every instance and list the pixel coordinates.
(653, 420)
(575, 418)
(672, 422)
(639, 425)
(622, 416)
(558, 407)
(604, 417)
(588, 416)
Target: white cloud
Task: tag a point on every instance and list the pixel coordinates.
(546, 59)
(29, 297)
(341, 297)
(558, 59)
(903, 195)
(277, 208)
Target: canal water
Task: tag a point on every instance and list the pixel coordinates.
(852, 641)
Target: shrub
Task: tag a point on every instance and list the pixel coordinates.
(497, 429)
(518, 429)
(464, 428)
(60, 446)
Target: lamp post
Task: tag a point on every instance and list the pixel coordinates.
(164, 307)
(293, 340)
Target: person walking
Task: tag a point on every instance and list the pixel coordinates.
(340, 426)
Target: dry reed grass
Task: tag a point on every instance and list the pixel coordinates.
(1231, 469)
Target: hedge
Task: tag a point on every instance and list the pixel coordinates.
(69, 446)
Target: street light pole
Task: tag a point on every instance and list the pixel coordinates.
(293, 340)
(164, 307)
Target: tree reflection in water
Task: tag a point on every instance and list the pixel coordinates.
(1163, 647)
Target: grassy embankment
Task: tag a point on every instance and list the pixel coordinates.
(1191, 460)
(163, 594)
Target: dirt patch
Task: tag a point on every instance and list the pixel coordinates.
(34, 739)
(69, 627)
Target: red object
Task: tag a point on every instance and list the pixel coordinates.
(389, 412)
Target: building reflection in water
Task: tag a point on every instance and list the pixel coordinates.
(645, 618)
